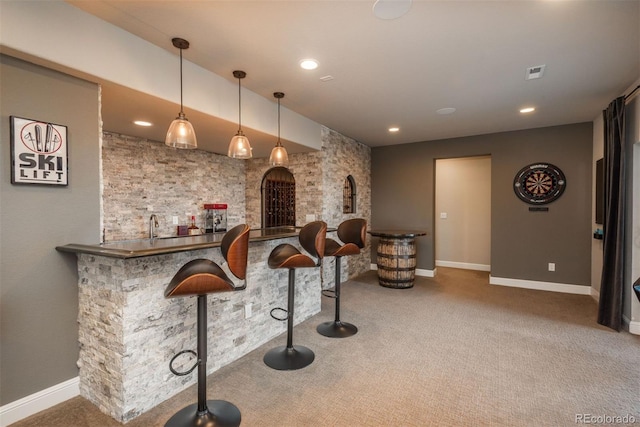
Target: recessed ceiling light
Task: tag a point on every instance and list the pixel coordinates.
(309, 64)
(527, 110)
(446, 110)
(142, 123)
(394, 129)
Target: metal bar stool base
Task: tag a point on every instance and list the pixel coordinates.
(220, 413)
(337, 329)
(284, 358)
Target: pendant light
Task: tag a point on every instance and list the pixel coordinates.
(279, 155)
(181, 133)
(239, 147)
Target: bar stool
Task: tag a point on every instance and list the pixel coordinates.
(353, 233)
(312, 238)
(200, 277)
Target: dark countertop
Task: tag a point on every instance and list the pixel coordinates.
(400, 234)
(165, 245)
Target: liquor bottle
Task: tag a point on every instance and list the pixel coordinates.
(193, 229)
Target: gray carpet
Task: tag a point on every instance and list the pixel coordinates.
(451, 351)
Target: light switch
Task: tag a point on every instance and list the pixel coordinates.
(443, 215)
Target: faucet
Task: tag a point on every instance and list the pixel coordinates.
(153, 226)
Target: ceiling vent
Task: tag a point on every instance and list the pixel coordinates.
(535, 72)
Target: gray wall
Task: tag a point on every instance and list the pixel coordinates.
(39, 332)
(522, 242)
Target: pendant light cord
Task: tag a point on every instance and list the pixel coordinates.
(181, 110)
(278, 96)
(239, 106)
(279, 121)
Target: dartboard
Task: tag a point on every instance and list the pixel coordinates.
(539, 183)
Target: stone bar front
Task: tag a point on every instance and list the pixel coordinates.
(129, 332)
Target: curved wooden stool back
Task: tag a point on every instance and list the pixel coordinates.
(312, 238)
(354, 232)
(203, 276)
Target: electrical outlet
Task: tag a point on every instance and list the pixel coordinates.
(175, 220)
(552, 266)
(443, 215)
(247, 311)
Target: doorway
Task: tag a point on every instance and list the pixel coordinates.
(463, 213)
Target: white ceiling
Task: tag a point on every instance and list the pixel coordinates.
(470, 55)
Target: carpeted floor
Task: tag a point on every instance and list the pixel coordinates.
(451, 351)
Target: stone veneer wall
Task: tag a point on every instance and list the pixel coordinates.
(319, 179)
(343, 156)
(142, 177)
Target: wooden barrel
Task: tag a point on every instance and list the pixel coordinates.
(396, 262)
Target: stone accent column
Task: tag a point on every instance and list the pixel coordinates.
(319, 179)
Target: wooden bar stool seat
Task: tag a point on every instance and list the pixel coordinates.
(353, 233)
(200, 277)
(312, 238)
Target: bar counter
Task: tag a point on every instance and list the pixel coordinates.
(165, 245)
(128, 331)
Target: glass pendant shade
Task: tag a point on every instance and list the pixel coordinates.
(279, 156)
(239, 147)
(181, 134)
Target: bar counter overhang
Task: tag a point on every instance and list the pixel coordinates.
(128, 330)
(163, 245)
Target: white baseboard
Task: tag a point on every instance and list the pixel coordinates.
(595, 295)
(425, 273)
(463, 265)
(419, 271)
(634, 326)
(541, 286)
(29, 405)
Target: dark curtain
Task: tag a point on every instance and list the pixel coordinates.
(612, 283)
